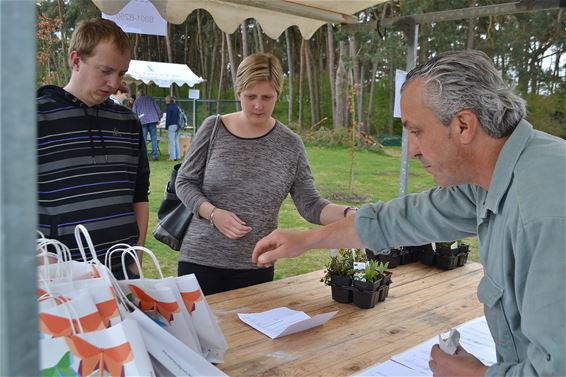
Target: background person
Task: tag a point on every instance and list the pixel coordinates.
(121, 95)
(92, 162)
(149, 113)
(255, 162)
(172, 125)
(502, 181)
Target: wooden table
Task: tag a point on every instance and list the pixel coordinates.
(423, 302)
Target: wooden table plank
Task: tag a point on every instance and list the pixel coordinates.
(423, 301)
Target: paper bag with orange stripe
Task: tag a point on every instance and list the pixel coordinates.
(158, 298)
(210, 335)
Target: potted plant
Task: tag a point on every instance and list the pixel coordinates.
(463, 251)
(367, 283)
(385, 280)
(339, 273)
(368, 279)
(427, 255)
(391, 256)
(446, 255)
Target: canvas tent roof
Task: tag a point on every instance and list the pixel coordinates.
(161, 74)
(274, 16)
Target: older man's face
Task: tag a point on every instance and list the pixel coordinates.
(430, 141)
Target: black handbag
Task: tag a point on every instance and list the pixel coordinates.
(173, 217)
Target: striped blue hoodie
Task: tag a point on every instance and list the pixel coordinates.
(92, 167)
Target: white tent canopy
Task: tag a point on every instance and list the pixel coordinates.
(160, 74)
(274, 16)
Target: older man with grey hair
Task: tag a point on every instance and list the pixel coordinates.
(499, 179)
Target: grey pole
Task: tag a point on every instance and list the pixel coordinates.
(194, 117)
(412, 31)
(18, 213)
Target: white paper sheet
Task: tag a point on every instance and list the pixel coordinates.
(283, 321)
(475, 338)
(389, 368)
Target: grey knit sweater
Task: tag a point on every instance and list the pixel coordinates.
(250, 177)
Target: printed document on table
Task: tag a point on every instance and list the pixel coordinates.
(475, 338)
(283, 321)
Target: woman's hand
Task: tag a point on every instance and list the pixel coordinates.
(229, 224)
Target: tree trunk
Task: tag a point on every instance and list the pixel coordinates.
(168, 44)
(158, 48)
(210, 70)
(356, 85)
(136, 43)
(259, 36)
(232, 66)
(222, 64)
(471, 27)
(60, 5)
(148, 48)
(341, 88)
(371, 92)
(301, 80)
(213, 60)
(244, 39)
(291, 76)
(306, 52)
(331, 73)
(353, 45)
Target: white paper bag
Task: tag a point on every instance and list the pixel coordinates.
(174, 356)
(210, 335)
(117, 351)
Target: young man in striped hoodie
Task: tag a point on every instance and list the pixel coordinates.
(92, 162)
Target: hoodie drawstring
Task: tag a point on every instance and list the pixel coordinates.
(91, 137)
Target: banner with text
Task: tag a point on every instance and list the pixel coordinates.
(139, 16)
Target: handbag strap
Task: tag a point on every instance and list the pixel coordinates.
(212, 135)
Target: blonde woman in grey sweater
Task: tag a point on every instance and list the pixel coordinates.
(255, 161)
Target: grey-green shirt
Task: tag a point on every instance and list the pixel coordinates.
(249, 177)
(521, 225)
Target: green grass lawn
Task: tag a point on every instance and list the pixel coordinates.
(376, 178)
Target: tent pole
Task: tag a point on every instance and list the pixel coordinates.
(412, 31)
(19, 338)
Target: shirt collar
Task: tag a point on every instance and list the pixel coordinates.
(503, 172)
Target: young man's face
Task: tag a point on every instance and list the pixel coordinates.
(258, 102)
(99, 75)
(434, 144)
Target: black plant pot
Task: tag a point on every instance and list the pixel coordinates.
(462, 259)
(394, 259)
(428, 256)
(405, 256)
(446, 251)
(342, 294)
(383, 292)
(386, 279)
(463, 252)
(340, 280)
(365, 299)
(414, 252)
(447, 262)
(370, 255)
(365, 286)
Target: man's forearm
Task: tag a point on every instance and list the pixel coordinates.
(141, 210)
(338, 234)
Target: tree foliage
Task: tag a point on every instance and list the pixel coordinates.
(528, 48)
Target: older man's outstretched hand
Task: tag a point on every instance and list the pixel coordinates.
(279, 244)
